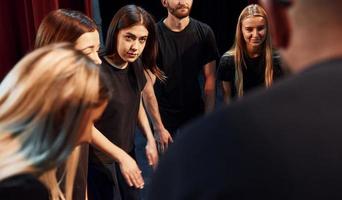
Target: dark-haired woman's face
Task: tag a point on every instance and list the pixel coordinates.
(131, 42)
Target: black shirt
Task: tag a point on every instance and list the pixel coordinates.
(119, 119)
(24, 186)
(253, 72)
(182, 56)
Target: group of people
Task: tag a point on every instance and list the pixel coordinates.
(279, 143)
(63, 96)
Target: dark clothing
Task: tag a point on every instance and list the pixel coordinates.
(119, 119)
(24, 186)
(103, 182)
(182, 56)
(106, 182)
(127, 192)
(253, 72)
(117, 123)
(282, 143)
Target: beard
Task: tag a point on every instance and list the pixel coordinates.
(178, 13)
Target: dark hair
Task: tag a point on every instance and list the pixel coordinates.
(63, 25)
(128, 16)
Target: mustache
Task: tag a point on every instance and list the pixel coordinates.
(182, 6)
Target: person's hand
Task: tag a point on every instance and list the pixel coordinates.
(163, 138)
(131, 172)
(151, 152)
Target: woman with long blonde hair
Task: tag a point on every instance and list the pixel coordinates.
(47, 103)
(251, 61)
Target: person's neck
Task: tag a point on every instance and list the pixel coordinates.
(118, 65)
(253, 52)
(175, 24)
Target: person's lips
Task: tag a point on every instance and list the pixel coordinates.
(131, 54)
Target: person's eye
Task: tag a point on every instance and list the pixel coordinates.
(261, 28)
(142, 40)
(129, 38)
(87, 52)
(249, 29)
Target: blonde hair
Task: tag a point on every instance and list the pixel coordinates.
(43, 107)
(239, 48)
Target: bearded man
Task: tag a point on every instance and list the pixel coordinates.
(187, 47)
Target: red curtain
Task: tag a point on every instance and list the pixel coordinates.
(19, 21)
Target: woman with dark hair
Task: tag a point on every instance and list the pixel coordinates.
(64, 25)
(251, 61)
(131, 48)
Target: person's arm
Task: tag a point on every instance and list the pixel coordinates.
(162, 135)
(226, 92)
(151, 148)
(128, 166)
(226, 76)
(209, 72)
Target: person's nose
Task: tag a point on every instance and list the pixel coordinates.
(181, 2)
(97, 59)
(255, 33)
(135, 46)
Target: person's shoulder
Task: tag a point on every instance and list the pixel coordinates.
(104, 61)
(160, 25)
(228, 56)
(199, 23)
(227, 59)
(138, 67)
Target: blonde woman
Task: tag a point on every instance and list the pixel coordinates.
(251, 61)
(48, 102)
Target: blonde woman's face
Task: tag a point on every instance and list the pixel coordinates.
(89, 44)
(254, 31)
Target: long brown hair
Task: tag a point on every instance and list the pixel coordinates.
(63, 25)
(239, 48)
(128, 16)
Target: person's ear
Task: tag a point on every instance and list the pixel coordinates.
(163, 3)
(278, 20)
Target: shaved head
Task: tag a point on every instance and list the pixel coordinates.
(319, 12)
(303, 28)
